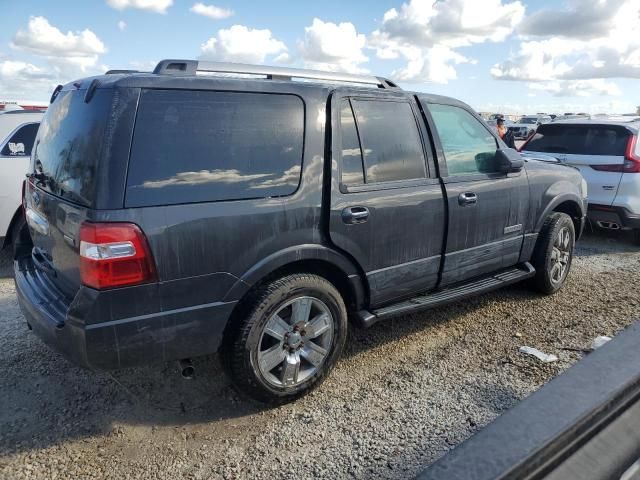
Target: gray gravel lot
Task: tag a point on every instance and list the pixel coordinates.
(406, 391)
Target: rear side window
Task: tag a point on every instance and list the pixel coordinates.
(21, 142)
(580, 140)
(468, 146)
(201, 146)
(390, 140)
(70, 142)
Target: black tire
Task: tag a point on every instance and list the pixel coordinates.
(546, 254)
(243, 343)
(21, 243)
(636, 236)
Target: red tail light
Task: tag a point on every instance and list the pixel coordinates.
(114, 255)
(631, 160)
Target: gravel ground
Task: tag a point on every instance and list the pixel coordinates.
(406, 391)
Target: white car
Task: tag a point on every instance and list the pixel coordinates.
(607, 153)
(18, 130)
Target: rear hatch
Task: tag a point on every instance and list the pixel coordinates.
(597, 150)
(62, 184)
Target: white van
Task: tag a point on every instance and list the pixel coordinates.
(18, 130)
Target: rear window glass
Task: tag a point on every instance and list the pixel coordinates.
(199, 146)
(69, 143)
(580, 140)
(390, 141)
(21, 142)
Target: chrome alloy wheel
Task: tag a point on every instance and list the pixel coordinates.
(560, 256)
(295, 342)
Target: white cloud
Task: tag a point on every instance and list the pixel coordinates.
(590, 19)
(577, 88)
(23, 80)
(426, 34)
(333, 47)
(157, 6)
(433, 64)
(42, 38)
(241, 44)
(284, 58)
(66, 56)
(211, 11)
(122, 25)
(591, 39)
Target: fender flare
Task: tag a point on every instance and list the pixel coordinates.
(298, 253)
(557, 200)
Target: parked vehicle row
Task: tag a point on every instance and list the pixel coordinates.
(175, 215)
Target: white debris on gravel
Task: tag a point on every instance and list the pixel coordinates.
(406, 391)
(543, 357)
(599, 341)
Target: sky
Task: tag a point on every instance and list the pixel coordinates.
(523, 56)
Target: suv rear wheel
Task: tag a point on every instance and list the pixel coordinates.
(292, 332)
(636, 236)
(553, 253)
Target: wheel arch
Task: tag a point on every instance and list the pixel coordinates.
(572, 209)
(568, 203)
(316, 259)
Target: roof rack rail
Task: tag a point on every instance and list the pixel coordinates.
(191, 67)
(118, 71)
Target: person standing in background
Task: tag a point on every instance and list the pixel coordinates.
(505, 134)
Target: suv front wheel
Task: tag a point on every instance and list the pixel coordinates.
(291, 334)
(553, 253)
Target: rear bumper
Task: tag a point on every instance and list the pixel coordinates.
(600, 214)
(64, 324)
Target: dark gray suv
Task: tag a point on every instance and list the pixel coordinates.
(175, 214)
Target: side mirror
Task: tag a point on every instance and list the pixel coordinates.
(508, 160)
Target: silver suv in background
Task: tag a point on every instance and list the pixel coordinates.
(607, 153)
(527, 125)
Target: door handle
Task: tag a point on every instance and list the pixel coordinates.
(352, 215)
(467, 198)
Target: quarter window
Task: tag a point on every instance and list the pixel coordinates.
(352, 170)
(202, 146)
(468, 146)
(390, 140)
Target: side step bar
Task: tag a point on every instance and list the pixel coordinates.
(443, 297)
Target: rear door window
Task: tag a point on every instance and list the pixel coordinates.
(390, 140)
(21, 142)
(580, 140)
(202, 146)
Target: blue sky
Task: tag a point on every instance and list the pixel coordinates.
(497, 55)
